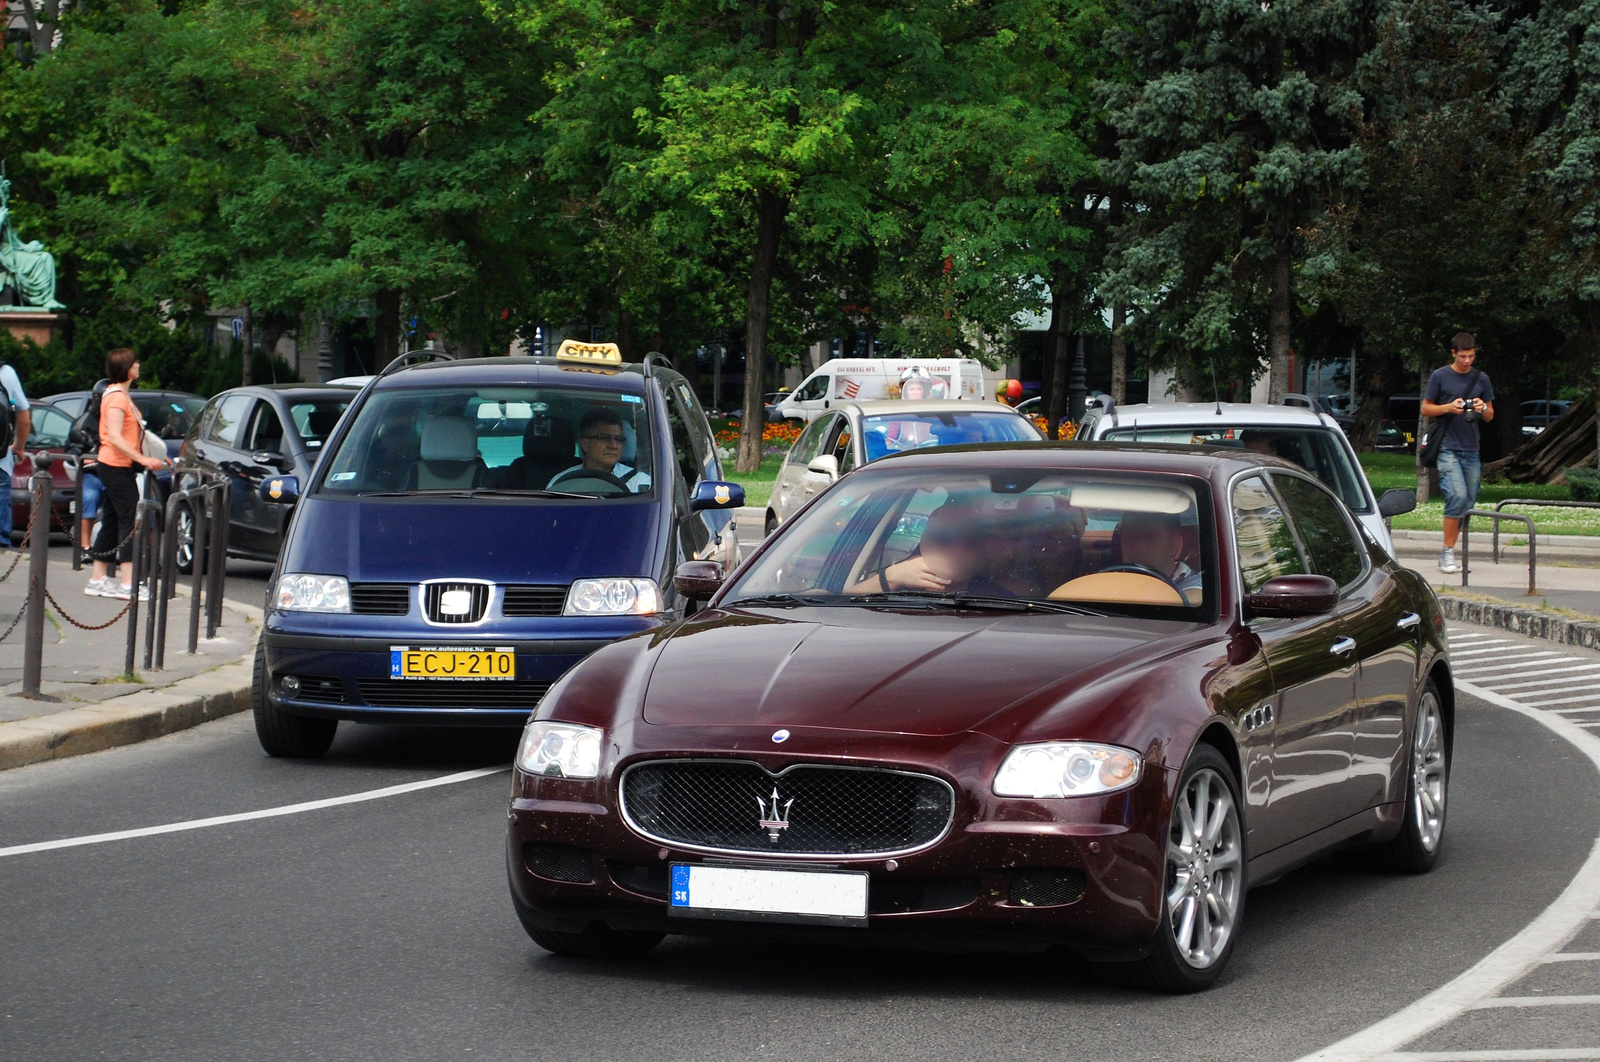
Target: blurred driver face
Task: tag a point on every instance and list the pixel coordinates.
(951, 543)
(914, 389)
(1151, 540)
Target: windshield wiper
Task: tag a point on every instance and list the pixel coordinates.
(511, 492)
(777, 600)
(961, 599)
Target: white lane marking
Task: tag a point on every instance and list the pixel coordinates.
(1548, 681)
(1505, 652)
(250, 816)
(1573, 956)
(1576, 711)
(1509, 1055)
(1544, 699)
(1522, 665)
(1549, 932)
(1535, 1001)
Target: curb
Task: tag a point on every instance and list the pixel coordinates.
(140, 716)
(1535, 623)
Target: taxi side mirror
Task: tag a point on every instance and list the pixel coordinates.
(283, 490)
(697, 580)
(826, 465)
(1288, 596)
(716, 494)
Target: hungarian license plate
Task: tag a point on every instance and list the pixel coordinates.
(831, 897)
(451, 662)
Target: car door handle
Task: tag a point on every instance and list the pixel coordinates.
(1409, 620)
(1342, 646)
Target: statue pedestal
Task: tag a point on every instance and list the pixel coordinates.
(37, 325)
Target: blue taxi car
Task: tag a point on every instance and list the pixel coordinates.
(475, 528)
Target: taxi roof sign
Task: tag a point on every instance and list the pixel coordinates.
(590, 353)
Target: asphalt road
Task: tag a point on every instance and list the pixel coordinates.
(383, 930)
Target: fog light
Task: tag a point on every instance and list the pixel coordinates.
(290, 684)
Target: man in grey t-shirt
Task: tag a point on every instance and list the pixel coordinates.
(1464, 400)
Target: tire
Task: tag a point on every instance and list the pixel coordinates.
(599, 941)
(1415, 849)
(184, 521)
(280, 733)
(772, 522)
(1205, 876)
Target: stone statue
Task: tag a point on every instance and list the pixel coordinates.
(27, 270)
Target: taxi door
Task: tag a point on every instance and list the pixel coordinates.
(711, 531)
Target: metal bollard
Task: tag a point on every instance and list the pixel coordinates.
(38, 567)
(75, 516)
(219, 549)
(140, 521)
(151, 548)
(169, 577)
(197, 569)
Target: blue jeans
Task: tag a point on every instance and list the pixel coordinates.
(89, 484)
(1460, 472)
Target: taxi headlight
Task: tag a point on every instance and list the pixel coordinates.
(313, 593)
(1063, 769)
(560, 750)
(613, 597)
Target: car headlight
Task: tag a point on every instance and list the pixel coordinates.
(560, 750)
(313, 593)
(613, 597)
(1063, 769)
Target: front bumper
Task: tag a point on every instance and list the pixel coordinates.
(346, 676)
(1010, 874)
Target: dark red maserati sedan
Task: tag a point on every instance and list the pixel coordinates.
(1023, 696)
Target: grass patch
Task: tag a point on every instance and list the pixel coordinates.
(758, 484)
(1387, 471)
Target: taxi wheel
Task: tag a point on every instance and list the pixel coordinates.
(1202, 903)
(599, 941)
(280, 733)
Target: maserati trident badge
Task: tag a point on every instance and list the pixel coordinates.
(775, 819)
(780, 736)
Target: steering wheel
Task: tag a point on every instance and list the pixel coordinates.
(588, 473)
(1140, 569)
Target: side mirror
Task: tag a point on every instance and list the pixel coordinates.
(826, 465)
(284, 490)
(1397, 501)
(697, 580)
(716, 494)
(269, 458)
(1289, 596)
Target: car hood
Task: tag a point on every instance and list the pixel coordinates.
(511, 541)
(875, 670)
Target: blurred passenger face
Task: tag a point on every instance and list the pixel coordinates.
(914, 389)
(952, 543)
(1151, 540)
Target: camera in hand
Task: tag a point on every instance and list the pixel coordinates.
(1471, 416)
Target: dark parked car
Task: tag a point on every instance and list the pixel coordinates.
(170, 414)
(48, 433)
(474, 529)
(249, 434)
(1151, 678)
(1538, 414)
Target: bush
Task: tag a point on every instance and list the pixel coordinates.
(1584, 483)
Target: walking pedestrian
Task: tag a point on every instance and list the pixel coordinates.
(1461, 397)
(22, 423)
(121, 442)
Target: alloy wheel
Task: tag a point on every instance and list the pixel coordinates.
(1205, 868)
(1429, 772)
(185, 547)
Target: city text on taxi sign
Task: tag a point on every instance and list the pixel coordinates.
(589, 353)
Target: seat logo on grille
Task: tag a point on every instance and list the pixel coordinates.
(775, 819)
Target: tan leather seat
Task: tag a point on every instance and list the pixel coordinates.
(1128, 588)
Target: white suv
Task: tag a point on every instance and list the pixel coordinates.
(1310, 439)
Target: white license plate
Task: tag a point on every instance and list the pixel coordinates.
(836, 897)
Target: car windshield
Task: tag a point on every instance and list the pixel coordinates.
(315, 418)
(887, 433)
(538, 441)
(1019, 538)
(169, 416)
(1317, 450)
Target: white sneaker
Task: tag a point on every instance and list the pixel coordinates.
(1447, 562)
(123, 593)
(98, 588)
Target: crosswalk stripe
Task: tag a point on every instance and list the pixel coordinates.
(1543, 701)
(1471, 642)
(1507, 1055)
(1576, 711)
(1503, 686)
(1507, 651)
(1522, 662)
(1573, 956)
(1501, 1002)
(1545, 670)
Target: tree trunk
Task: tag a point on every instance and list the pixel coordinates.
(628, 336)
(1062, 354)
(1119, 355)
(248, 336)
(385, 328)
(770, 211)
(1278, 374)
(1384, 372)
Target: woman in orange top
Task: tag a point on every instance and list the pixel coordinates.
(121, 453)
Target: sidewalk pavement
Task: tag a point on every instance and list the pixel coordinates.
(91, 704)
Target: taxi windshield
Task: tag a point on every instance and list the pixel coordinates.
(888, 433)
(547, 442)
(1024, 539)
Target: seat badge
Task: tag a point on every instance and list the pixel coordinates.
(775, 819)
(780, 736)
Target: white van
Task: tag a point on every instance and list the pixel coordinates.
(871, 379)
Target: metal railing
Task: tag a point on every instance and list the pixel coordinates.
(1491, 514)
(1548, 503)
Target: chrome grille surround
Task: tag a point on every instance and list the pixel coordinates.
(740, 799)
(431, 595)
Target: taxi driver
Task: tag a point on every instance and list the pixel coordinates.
(601, 438)
(1155, 541)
